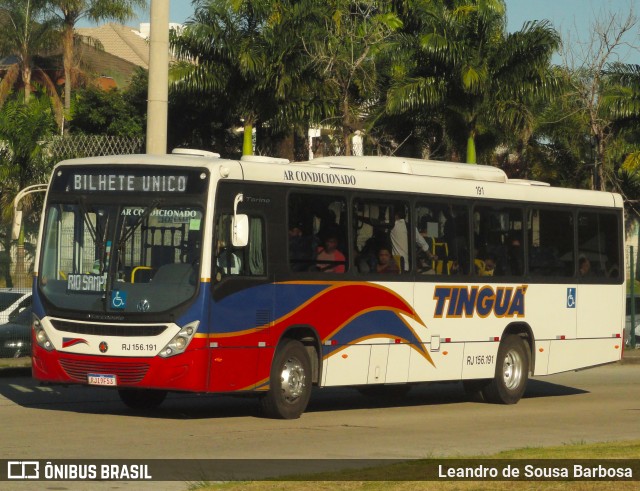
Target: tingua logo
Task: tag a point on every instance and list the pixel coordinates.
(454, 301)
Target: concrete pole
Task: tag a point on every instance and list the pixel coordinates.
(158, 102)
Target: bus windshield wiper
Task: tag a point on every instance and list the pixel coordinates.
(85, 216)
(141, 218)
(98, 236)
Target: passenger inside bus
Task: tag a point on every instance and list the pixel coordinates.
(386, 262)
(300, 248)
(489, 265)
(329, 259)
(399, 236)
(317, 236)
(584, 266)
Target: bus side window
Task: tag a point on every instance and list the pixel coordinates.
(597, 245)
(242, 261)
(551, 243)
(445, 229)
(317, 234)
(498, 241)
(227, 261)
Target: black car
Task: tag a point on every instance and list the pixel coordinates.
(15, 336)
(12, 302)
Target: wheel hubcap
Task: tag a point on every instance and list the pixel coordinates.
(293, 379)
(512, 370)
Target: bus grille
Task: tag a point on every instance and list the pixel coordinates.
(108, 329)
(127, 373)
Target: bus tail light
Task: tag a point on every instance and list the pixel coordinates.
(180, 341)
(41, 337)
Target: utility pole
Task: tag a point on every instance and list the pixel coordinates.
(158, 98)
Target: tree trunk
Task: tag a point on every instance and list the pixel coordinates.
(285, 146)
(602, 185)
(247, 143)
(26, 80)
(5, 258)
(346, 126)
(471, 149)
(301, 143)
(67, 50)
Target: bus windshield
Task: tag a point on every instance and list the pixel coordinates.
(102, 257)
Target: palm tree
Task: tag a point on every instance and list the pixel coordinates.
(478, 75)
(227, 52)
(621, 102)
(349, 40)
(26, 32)
(22, 127)
(69, 12)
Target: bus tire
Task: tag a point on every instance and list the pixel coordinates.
(142, 398)
(289, 382)
(512, 371)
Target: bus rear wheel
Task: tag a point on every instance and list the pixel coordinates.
(289, 383)
(142, 398)
(512, 371)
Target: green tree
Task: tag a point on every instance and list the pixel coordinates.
(478, 76)
(22, 127)
(346, 46)
(226, 54)
(246, 62)
(589, 85)
(302, 96)
(25, 33)
(100, 112)
(560, 147)
(70, 12)
(622, 102)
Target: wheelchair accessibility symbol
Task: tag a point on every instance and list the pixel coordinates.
(118, 299)
(571, 298)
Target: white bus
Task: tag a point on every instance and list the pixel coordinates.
(196, 273)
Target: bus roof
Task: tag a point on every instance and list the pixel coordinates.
(416, 167)
(373, 173)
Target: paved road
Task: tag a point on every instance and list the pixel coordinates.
(601, 404)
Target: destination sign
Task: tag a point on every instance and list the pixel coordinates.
(86, 282)
(129, 183)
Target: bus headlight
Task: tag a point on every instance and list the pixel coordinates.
(181, 340)
(41, 337)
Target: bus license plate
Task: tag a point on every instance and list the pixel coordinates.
(101, 379)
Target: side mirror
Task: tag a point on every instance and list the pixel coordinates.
(240, 230)
(239, 225)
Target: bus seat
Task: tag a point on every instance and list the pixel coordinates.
(162, 254)
(441, 250)
(141, 274)
(175, 273)
(442, 266)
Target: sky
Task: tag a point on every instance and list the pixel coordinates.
(574, 19)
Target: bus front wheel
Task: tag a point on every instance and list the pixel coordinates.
(512, 371)
(289, 382)
(142, 398)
